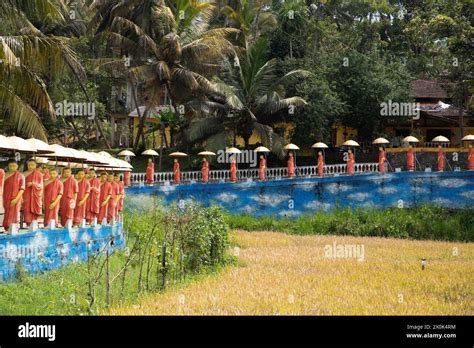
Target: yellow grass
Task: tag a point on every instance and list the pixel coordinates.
(285, 274)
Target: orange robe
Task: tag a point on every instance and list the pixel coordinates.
(262, 170)
(84, 187)
(150, 171)
(121, 190)
(233, 171)
(176, 173)
(105, 190)
(291, 167)
(46, 175)
(440, 160)
(13, 184)
(126, 178)
(92, 204)
(410, 160)
(33, 196)
(2, 177)
(470, 159)
(112, 202)
(51, 191)
(68, 202)
(320, 165)
(205, 171)
(382, 161)
(350, 164)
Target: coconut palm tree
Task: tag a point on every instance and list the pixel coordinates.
(254, 94)
(28, 59)
(170, 46)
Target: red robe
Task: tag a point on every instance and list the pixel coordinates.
(150, 171)
(92, 204)
(2, 177)
(33, 196)
(68, 202)
(205, 171)
(176, 173)
(105, 190)
(262, 170)
(84, 187)
(112, 202)
(13, 184)
(470, 159)
(350, 164)
(233, 171)
(382, 161)
(440, 160)
(126, 178)
(121, 191)
(320, 165)
(51, 191)
(291, 167)
(410, 160)
(46, 175)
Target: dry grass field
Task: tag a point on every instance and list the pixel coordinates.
(286, 274)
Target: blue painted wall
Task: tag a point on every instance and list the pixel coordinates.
(46, 249)
(290, 198)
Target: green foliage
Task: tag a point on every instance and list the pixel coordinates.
(424, 222)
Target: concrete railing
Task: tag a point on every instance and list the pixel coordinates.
(252, 173)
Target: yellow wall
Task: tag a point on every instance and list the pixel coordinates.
(149, 137)
(351, 133)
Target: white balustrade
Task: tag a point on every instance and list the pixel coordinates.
(252, 173)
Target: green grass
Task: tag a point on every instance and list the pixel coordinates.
(416, 223)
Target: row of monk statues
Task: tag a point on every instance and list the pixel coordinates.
(350, 163)
(60, 198)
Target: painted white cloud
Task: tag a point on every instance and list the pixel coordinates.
(227, 197)
(248, 209)
(388, 190)
(317, 205)
(270, 199)
(358, 196)
(335, 188)
(468, 194)
(289, 213)
(443, 202)
(452, 183)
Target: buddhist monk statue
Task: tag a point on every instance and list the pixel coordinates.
(233, 169)
(205, 170)
(150, 171)
(350, 162)
(291, 165)
(320, 163)
(176, 172)
(33, 195)
(13, 189)
(262, 169)
(381, 160)
(45, 171)
(410, 159)
(53, 191)
(92, 203)
(126, 179)
(68, 200)
(440, 158)
(121, 193)
(84, 189)
(114, 189)
(470, 158)
(105, 195)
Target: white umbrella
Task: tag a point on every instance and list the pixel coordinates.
(178, 154)
(21, 145)
(440, 139)
(262, 149)
(380, 141)
(319, 145)
(351, 143)
(410, 139)
(150, 152)
(105, 154)
(291, 147)
(233, 150)
(41, 146)
(469, 137)
(59, 152)
(206, 153)
(5, 143)
(126, 153)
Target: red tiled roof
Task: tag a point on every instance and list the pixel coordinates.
(427, 89)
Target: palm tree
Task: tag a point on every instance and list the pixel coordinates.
(253, 94)
(171, 45)
(28, 58)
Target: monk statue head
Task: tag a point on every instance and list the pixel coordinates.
(91, 174)
(320, 153)
(103, 177)
(410, 147)
(290, 154)
(12, 166)
(53, 173)
(440, 147)
(349, 151)
(31, 164)
(175, 160)
(204, 160)
(261, 156)
(110, 178)
(80, 174)
(380, 148)
(150, 160)
(67, 172)
(116, 178)
(470, 146)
